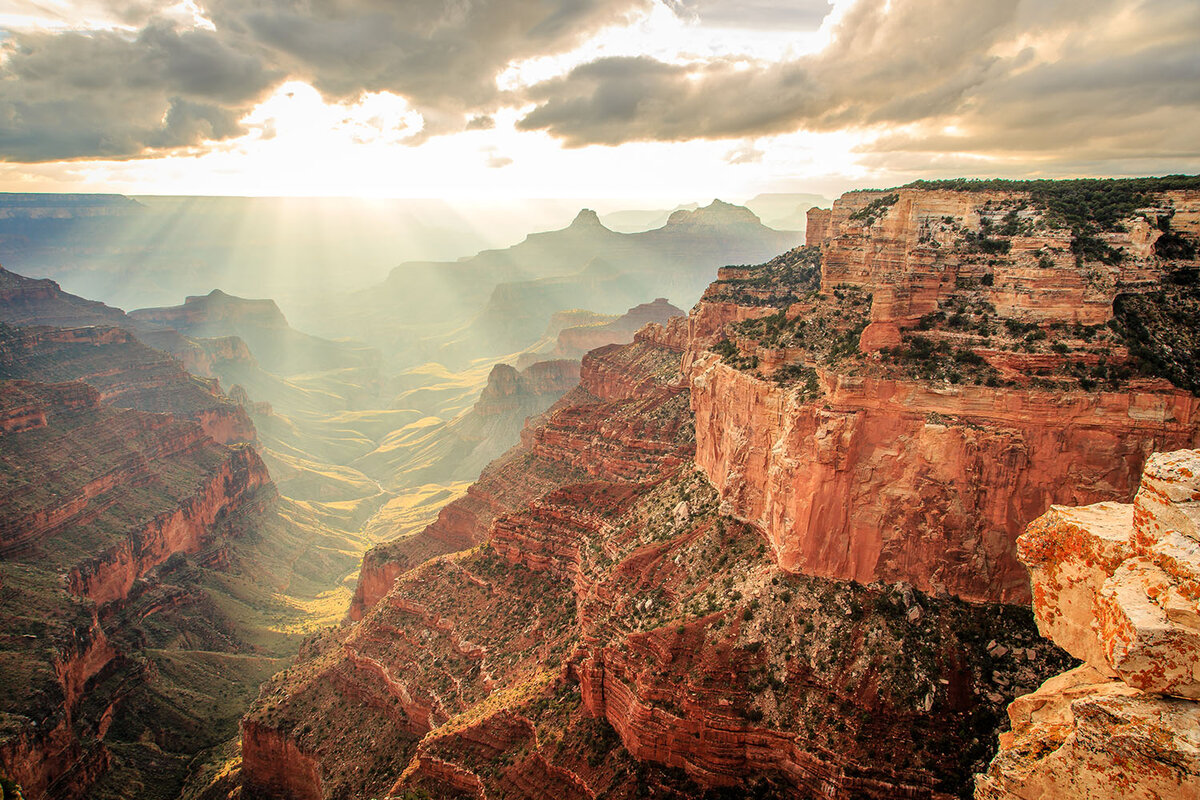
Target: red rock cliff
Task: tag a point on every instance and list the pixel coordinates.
(889, 480)
(91, 499)
(945, 380)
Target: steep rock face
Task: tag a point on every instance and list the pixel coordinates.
(125, 372)
(886, 480)
(550, 452)
(214, 307)
(1119, 585)
(110, 575)
(283, 770)
(31, 301)
(93, 498)
(932, 374)
(509, 391)
(817, 229)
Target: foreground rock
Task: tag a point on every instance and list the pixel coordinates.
(1117, 586)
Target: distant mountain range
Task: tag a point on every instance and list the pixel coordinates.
(499, 301)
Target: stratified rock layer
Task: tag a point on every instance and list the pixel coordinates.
(614, 618)
(125, 372)
(895, 480)
(900, 398)
(1117, 586)
(92, 499)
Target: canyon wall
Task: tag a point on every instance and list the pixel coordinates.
(125, 372)
(895, 480)
(92, 500)
(907, 414)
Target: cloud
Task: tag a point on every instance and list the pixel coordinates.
(175, 82)
(1083, 79)
(754, 14)
(747, 153)
(435, 53)
(72, 95)
(1007, 75)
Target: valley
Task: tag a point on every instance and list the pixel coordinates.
(355, 450)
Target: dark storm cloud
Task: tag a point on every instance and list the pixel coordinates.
(1011, 75)
(115, 94)
(73, 95)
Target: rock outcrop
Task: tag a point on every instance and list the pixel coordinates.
(895, 480)
(574, 341)
(1118, 586)
(897, 400)
(125, 372)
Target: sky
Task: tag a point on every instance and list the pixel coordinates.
(655, 100)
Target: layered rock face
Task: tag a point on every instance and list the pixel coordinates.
(1118, 586)
(616, 632)
(571, 439)
(896, 480)
(92, 499)
(125, 372)
(574, 341)
(899, 399)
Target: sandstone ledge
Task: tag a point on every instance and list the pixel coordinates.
(1115, 585)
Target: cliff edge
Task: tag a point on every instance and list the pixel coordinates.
(1118, 586)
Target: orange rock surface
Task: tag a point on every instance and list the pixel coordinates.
(883, 480)
(1116, 584)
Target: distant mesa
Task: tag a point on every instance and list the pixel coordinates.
(214, 307)
(275, 344)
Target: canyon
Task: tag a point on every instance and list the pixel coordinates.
(178, 605)
(774, 544)
(779, 547)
